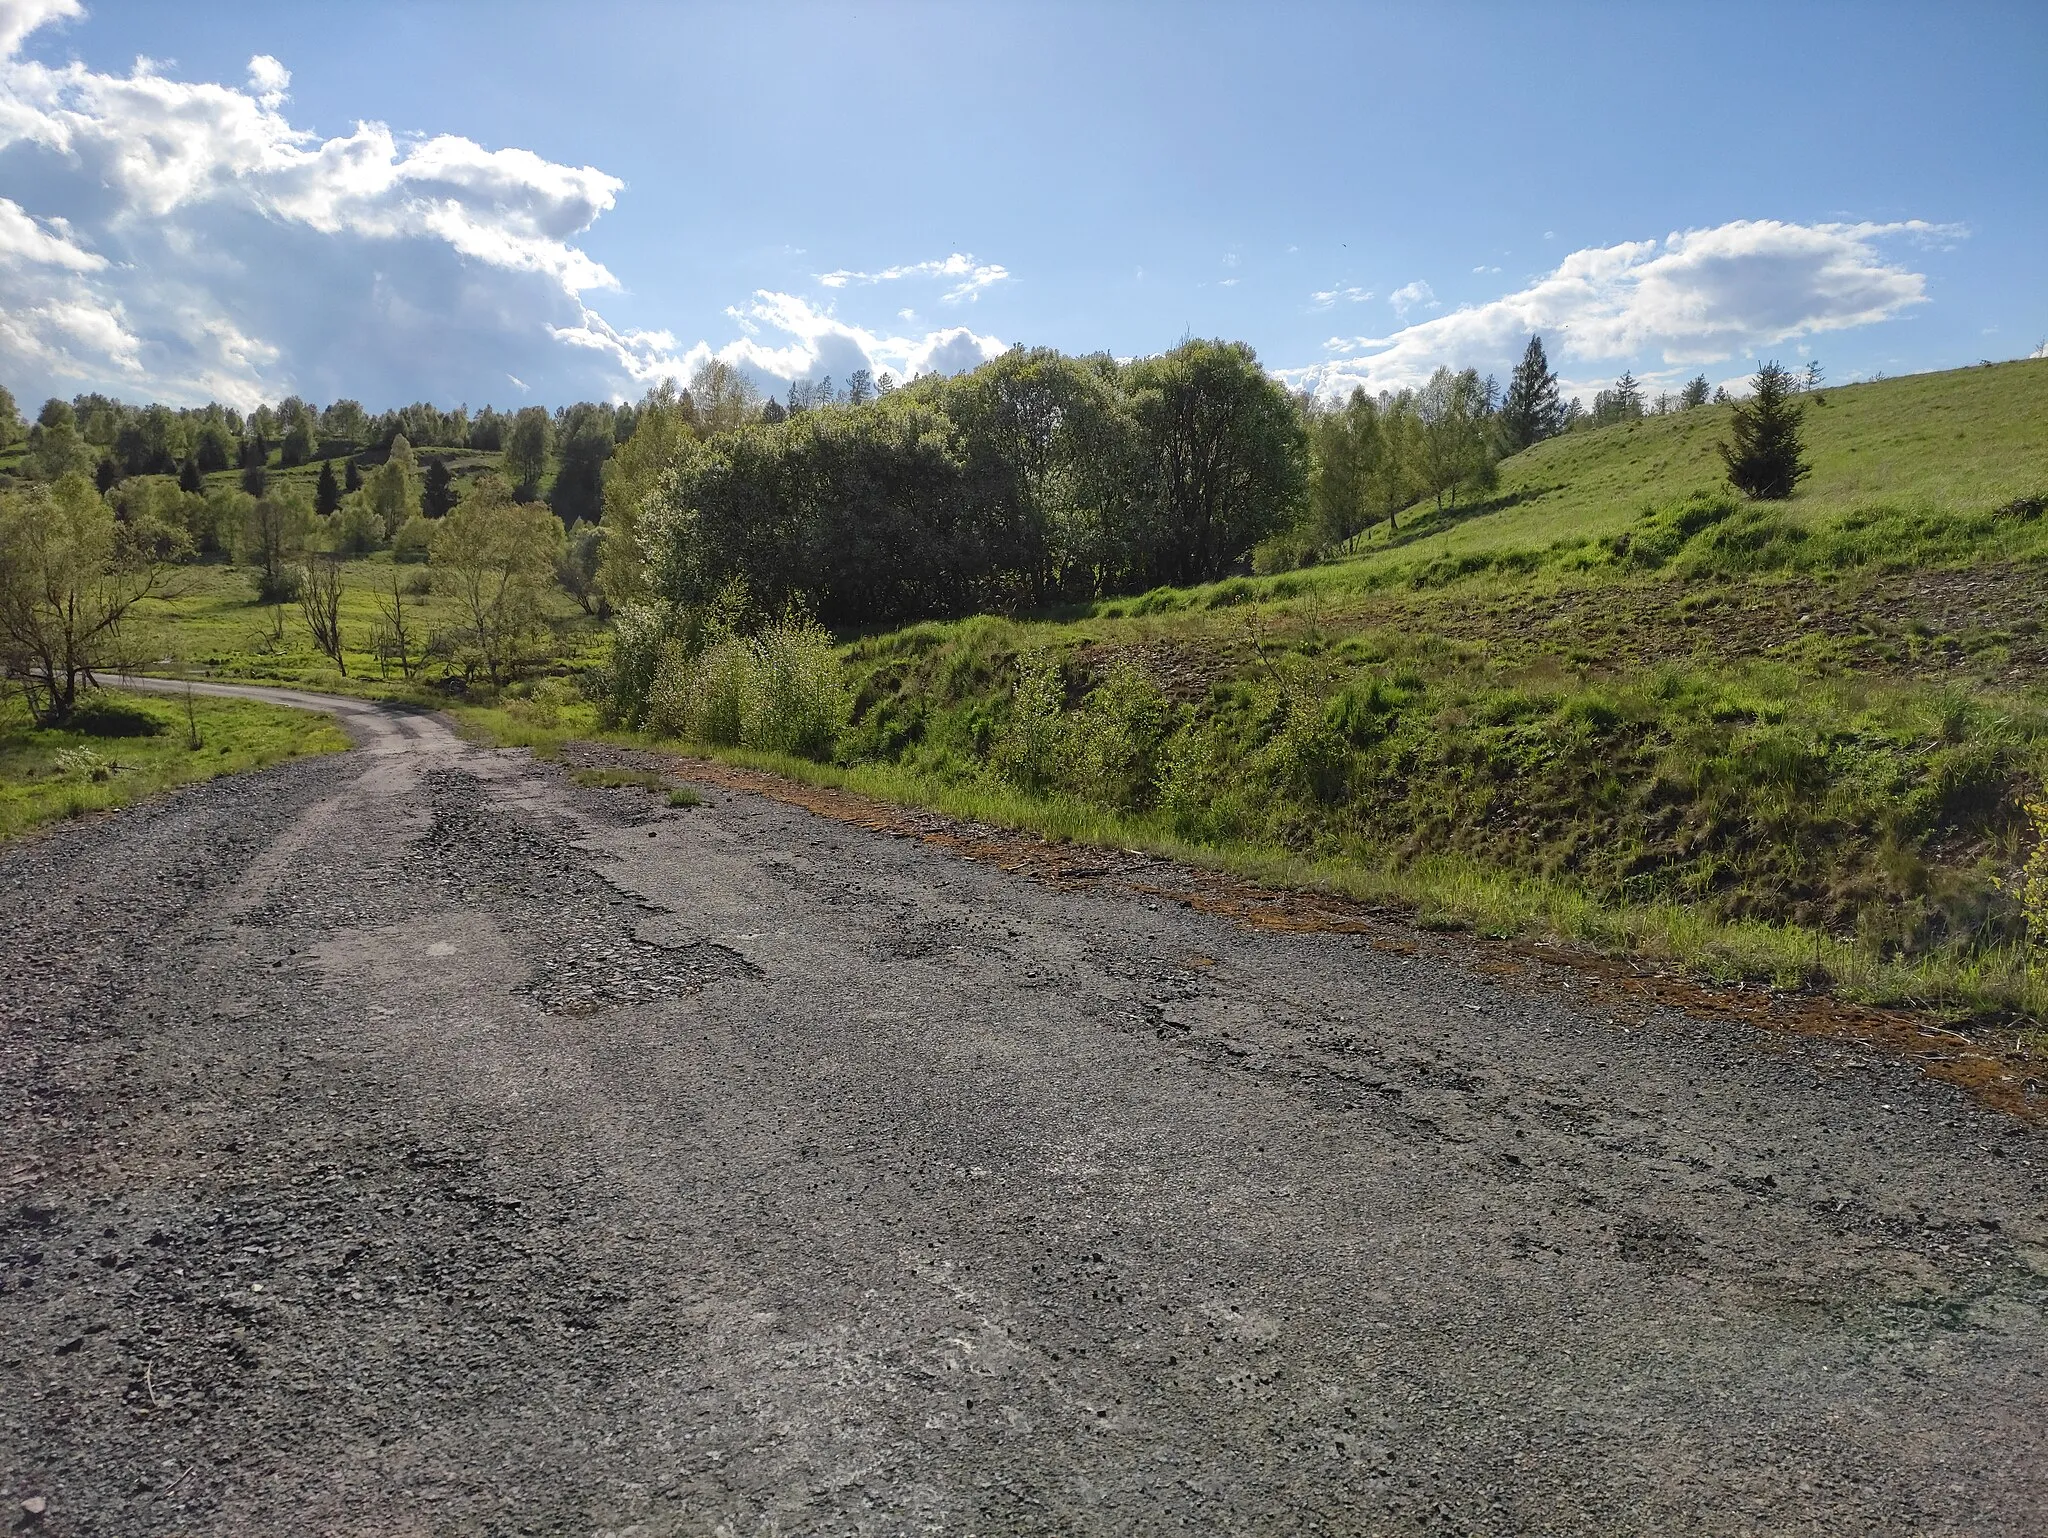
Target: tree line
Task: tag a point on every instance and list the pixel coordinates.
(1036, 479)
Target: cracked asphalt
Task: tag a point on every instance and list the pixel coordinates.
(413, 1141)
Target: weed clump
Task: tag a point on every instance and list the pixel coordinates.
(777, 691)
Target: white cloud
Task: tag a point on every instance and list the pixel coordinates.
(196, 220)
(801, 342)
(974, 276)
(1330, 298)
(1409, 296)
(1695, 297)
(268, 80)
(1229, 282)
(185, 241)
(18, 18)
(1482, 269)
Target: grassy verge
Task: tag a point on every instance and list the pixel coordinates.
(48, 775)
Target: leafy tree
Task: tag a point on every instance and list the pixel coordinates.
(1452, 411)
(1051, 451)
(70, 572)
(1764, 461)
(1532, 410)
(498, 558)
(664, 431)
(1695, 392)
(273, 535)
(299, 445)
(10, 419)
(1226, 454)
(1365, 458)
(526, 451)
(56, 413)
(55, 448)
(346, 422)
(106, 475)
(773, 411)
(327, 495)
(437, 488)
(213, 448)
(723, 396)
(577, 570)
(357, 528)
(392, 490)
(487, 430)
(585, 443)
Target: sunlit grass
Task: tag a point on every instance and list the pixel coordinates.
(47, 775)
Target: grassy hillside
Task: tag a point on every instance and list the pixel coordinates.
(1787, 742)
(1965, 441)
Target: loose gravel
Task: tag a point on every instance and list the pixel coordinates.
(415, 1141)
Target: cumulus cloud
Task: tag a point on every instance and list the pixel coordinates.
(1695, 297)
(973, 276)
(785, 337)
(185, 241)
(1411, 296)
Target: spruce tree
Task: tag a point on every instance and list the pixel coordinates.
(437, 489)
(327, 496)
(1764, 463)
(353, 479)
(1532, 411)
(189, 478)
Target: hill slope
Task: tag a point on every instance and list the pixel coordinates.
(1790, 742)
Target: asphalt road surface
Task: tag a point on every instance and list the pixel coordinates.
(412, 1141)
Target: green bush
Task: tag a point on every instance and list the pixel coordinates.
(779, 691)
(100, 716)
(793, 699)
(1029, 750)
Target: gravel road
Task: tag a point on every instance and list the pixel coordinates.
(412, 1141)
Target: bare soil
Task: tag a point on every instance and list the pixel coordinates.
(417, 1141)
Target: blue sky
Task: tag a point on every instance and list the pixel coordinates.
(555, 202)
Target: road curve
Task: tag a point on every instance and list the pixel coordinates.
(412, 1141)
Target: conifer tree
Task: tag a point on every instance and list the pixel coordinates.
(327, 496)
(437, 489)
(1764, 463)
(1532, 411)
(353, 480)
(189, 478)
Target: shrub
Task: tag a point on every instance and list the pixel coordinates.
(413, 541)
(793, 700)
(779, 691)
(83, 764)
(104, 717)
(1116, 737)
(1029, 750)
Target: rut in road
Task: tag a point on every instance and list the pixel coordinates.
(413, 1141)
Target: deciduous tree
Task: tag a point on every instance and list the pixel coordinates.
(497, 557)
(70, 572)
